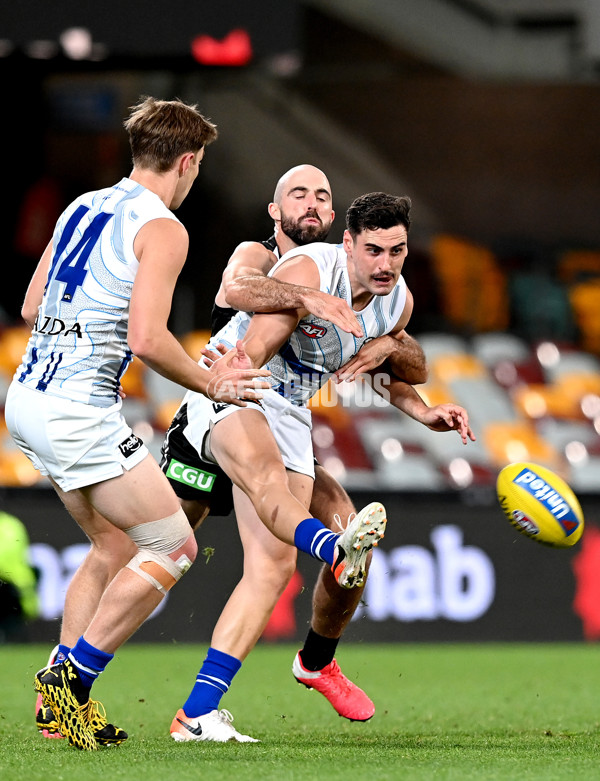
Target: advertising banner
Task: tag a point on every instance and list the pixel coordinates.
(451, 568)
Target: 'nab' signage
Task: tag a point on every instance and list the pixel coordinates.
(445, 571)
(451, 581)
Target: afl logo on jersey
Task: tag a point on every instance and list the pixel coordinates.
(312, 331)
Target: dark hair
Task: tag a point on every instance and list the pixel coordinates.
(162, 130)
(377, 210)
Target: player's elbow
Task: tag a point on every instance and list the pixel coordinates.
(234, 295)
(417, 375)
(142, 344)
(29, 314)
(413, 375)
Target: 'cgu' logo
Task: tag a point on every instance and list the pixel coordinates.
(313, 331)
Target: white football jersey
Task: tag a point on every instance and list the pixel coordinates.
(78, 347)
(317, 348)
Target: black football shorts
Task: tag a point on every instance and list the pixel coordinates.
(192, 477)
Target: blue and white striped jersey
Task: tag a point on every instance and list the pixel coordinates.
(78, 347)
(317, 348)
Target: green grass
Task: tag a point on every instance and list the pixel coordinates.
(443, 712)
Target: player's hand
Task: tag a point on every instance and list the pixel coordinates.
(371, 355)
(449, 417)
(235, 379)
(210, 356)
(333, 309)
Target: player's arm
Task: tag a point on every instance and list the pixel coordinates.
(35, 290)
(396, 353)
(247, 288)
(267, 332)
(161, 247)
(442, 417)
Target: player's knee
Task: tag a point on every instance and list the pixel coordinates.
(264, 474)
(266, 484)
(189, 549)
(166, 550)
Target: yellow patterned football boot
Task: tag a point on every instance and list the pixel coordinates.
(55, 684)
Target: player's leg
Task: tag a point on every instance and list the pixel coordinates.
(268, 566)
(141, 503)
(110, 550)
(243, 445)
(332, 610)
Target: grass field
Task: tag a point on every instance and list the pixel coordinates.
(443, 712)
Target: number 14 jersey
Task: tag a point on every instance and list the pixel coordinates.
(78, 347)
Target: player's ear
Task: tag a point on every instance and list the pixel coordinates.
(185, 162)
(347, 241)
(274, 212)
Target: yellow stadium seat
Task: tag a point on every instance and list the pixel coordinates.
(575, 265)
(538, 401)
(327, 403)
(518, 441)
(585, 303)
(133, 381)
(578, 384)
(15, 468)
(473, 287)
(194, 342)
(447, 368)
(561, 399)
(165, 412)
(13, 341)
(434, 393)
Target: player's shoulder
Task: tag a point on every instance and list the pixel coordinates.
(253, 253)
(313, 249)
(323, 254)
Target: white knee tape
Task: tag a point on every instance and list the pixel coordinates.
(156, 540)
(165, 536)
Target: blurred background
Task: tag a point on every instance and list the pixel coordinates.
(485, 112)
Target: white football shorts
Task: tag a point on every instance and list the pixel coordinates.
(75, 444)
(291, 426)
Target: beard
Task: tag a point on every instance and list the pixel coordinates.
(304, 234)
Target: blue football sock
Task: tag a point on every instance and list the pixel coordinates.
(312, 537)
(214, 679)
(88, 660)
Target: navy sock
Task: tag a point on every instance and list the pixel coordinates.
(88, 661)
(214, 679)
(312, 537)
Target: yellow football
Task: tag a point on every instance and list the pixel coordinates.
(540, 504)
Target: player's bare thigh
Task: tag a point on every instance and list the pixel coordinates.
(244, 447)
(138, 495)
(105, 535)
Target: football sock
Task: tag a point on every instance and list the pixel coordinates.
(318, 651)
(214, 679)
(312, 537)
(61, 653)
(88, 661)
